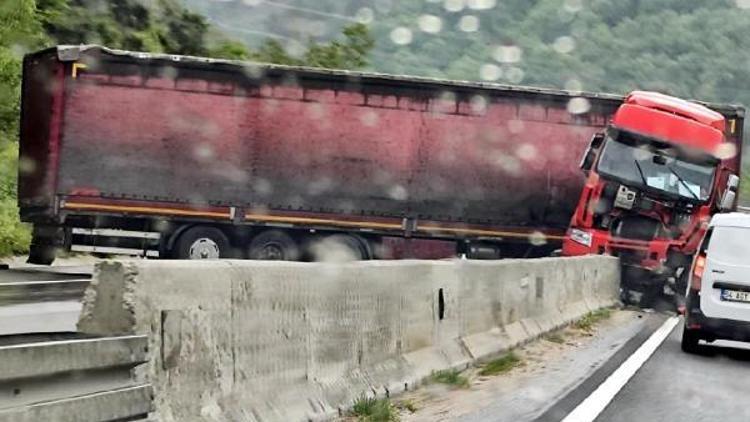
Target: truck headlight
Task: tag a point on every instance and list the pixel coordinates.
(581, 236)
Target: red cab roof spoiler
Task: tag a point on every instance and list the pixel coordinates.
(679, 107)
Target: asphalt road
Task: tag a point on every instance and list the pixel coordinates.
(674, 386)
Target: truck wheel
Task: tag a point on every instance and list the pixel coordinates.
(690, 340)
(273, 245)
(41, 254)
(339, 248)
(203, 242)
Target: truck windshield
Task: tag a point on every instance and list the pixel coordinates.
(655, 166)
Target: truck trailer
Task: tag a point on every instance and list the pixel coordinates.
(193, 158)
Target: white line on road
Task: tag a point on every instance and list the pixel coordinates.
(594, 404)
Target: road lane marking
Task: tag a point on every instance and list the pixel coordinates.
(590, 408)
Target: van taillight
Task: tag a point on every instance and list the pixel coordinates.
(698, 267)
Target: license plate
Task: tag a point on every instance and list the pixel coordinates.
(735, 296)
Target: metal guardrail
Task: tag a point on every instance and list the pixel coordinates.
(28, 307)
(85, 379)
(42, 291)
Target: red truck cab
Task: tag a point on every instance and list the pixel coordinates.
(654, 177)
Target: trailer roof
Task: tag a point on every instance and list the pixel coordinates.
(75, 52)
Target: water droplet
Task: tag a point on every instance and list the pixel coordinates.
(454, 5)
(481, 4)
(296, 49)
(490, 72)
(516, 126)
(398, 193)
(508, 163)
(430, 23)
(316, 111)
(514, 75)
(383, 6)
(578, 105)
(401, 35)
(573, 85)
(537, 238)
(478, 104)
(526, 152)
(469, 23)
(369, 118)
(725, 151)
(26, 165)
(253, 71)
(507, 54)
(573, 6)
(203, 152)
(262, 186)
(365, 15)
(565, 44)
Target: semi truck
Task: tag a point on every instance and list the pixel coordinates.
(654, 177)
(193, 158)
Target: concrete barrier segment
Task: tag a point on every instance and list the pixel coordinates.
(271, 341)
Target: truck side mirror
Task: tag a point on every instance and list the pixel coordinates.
(730, 194)
(587, 161)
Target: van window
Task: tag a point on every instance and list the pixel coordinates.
(729, 244)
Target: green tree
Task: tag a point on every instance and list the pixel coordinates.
(351, 52)
(20, 31)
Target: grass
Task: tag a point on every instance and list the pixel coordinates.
(452, 377)
(407, 405)
(370, 409)
(555, 337)
(500, 365)
(587, 322)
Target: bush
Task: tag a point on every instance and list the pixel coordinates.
(450, 377)
(500, 365)
(370, 409)
(14, 235)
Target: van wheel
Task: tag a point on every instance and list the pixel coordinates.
(201, 242)
(273, 245)
(690, 339)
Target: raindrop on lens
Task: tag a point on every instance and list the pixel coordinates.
(468, 23)
(578, 105)
(490, 72)
(454, 5)
(401, 35)
(564, 44)
(430, 24)
(365, 15)
(507, 54)
(725, 151)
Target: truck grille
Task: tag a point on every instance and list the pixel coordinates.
(636, 227)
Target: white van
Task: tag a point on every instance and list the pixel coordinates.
(718, 294)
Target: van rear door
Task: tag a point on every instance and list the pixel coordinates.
(725, 287)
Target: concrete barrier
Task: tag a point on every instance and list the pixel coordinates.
(252, 341)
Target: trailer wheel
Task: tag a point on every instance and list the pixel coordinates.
(273, 245)
(340, 248)
(203, 242)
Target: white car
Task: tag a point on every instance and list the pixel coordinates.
(718, 294)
